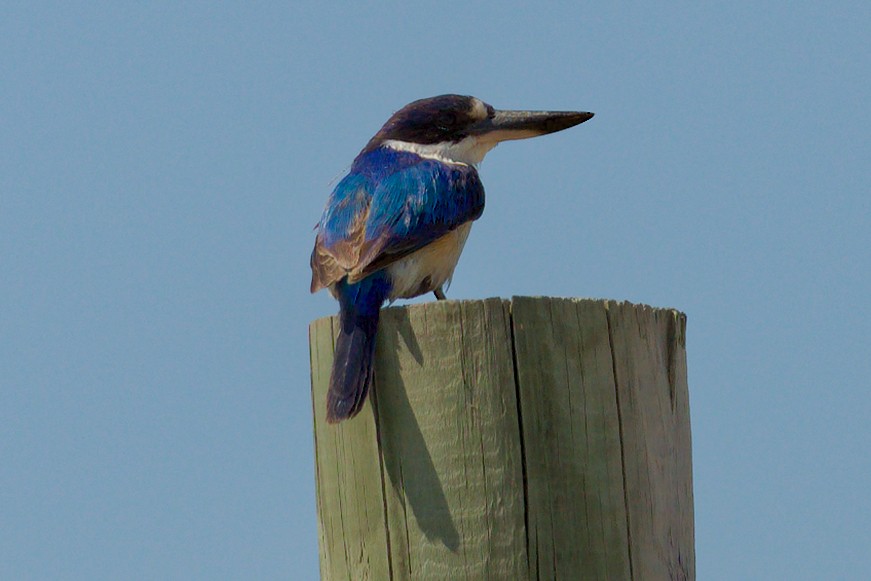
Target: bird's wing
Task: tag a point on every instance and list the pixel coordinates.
(366, 227)
(341, 231)
(414, 207)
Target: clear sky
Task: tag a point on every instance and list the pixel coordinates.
(162, 166)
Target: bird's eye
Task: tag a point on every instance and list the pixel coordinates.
(491, 112)
(447, 119)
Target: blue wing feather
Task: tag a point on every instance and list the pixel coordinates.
(416, 206)
(391, 204)
(344, 207)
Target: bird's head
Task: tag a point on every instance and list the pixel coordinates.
(459, 128)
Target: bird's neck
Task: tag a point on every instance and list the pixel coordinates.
(468, 151)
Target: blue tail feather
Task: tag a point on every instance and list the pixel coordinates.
(360, 307)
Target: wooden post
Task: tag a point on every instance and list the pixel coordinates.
(535, 438)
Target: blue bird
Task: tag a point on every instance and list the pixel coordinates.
(395, 226)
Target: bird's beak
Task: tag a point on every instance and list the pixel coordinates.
(507, 125)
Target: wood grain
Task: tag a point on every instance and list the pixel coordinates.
(536, 438)
(576, 504)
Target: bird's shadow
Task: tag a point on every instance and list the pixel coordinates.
(406, 458)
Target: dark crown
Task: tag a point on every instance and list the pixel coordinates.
(445, 118)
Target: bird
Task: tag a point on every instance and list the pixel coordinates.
(395, 226)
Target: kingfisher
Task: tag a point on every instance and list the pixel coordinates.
(395, 226)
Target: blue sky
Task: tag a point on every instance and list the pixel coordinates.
(162, 167)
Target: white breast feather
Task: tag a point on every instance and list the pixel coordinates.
(436, 261)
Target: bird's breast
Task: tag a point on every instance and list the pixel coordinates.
(430, 267)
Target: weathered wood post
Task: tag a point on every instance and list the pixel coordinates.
(535, 438)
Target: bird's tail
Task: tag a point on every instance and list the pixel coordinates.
(360, 305)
